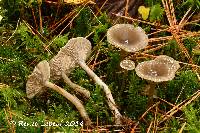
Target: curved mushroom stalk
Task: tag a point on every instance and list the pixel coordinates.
(76, 87)
(73, 99)
(39, 80)
(110, 100)
(60, 66)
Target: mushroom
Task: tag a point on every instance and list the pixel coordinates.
(127, 37)
(62, 64)
(162, 68)
(38, 81)
(77, 49)
(127, 64)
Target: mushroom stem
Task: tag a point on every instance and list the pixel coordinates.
(76, 87)
(151, 93)
(123, 54)
(110, 100)
(74, 100)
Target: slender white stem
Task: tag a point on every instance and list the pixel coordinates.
(74, 100)
(76, 87)
(110, 100)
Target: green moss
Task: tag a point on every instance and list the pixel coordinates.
(192, 119)
(83, 23)
(182, 86)
(156, 12)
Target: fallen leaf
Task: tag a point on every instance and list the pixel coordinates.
(144, 11)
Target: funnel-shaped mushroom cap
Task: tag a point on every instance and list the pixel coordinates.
(157, 70)
(173, 64)
(36, 80)
(127, 37)
(66, 60)
(78, 48)
(127, 64)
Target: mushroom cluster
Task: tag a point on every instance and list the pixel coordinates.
(60, 66)
(73, 54)
(132, 39)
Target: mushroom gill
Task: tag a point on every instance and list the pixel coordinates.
(65, 61)
(79, 48)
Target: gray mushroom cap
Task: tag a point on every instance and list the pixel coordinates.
(77, 49)
(173, 64)
(36, 80)
(127, 37)
(157, 70)
(127, 64)
(61, 63)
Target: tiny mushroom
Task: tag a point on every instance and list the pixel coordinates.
(127, 64)
(78, 49)
(62, 64)
(162, 68)
(38, 81)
